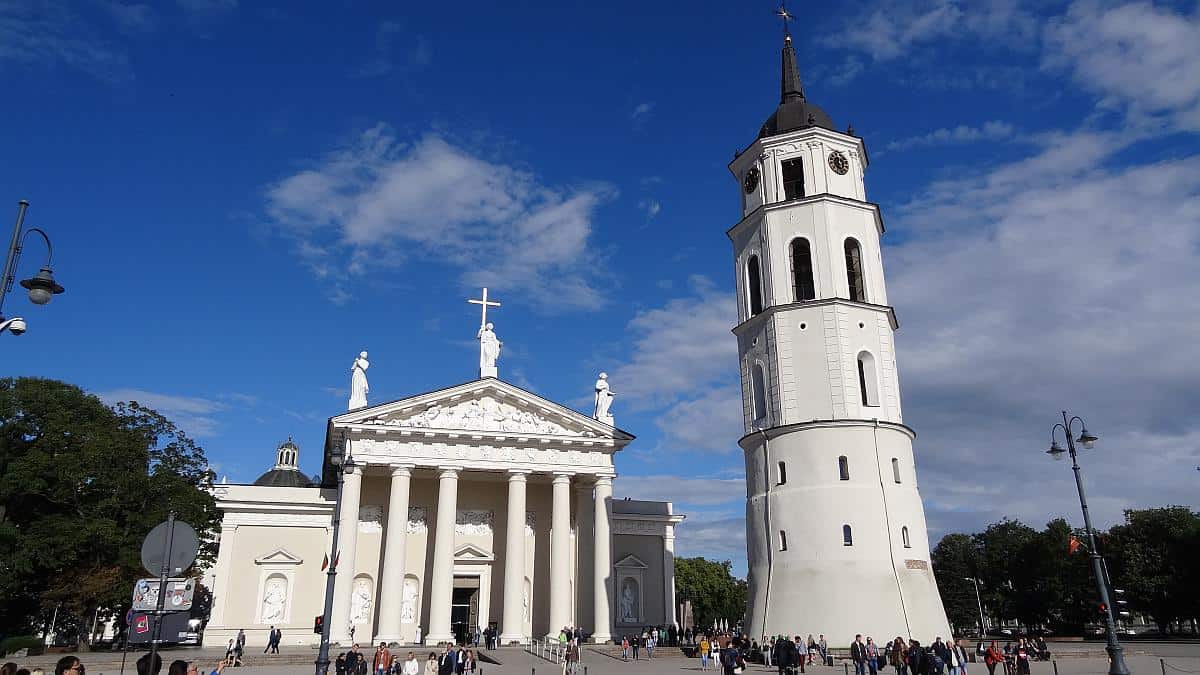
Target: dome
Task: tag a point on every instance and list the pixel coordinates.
(284, 478)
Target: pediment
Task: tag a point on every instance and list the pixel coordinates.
(488, 405)
(471, 553)
(631, 561)
(278, 557)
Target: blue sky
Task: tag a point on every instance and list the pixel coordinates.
(244, 195)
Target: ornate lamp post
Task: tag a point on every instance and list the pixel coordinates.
(341, 463)
(1116, 655)
(42, 287)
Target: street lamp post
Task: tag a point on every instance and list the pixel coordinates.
(42, 287)
(341, 464)
(1116, 655)
(978, 601)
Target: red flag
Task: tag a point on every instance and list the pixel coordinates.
(325, 562)
(1073, 546)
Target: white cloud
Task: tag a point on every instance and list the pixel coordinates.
(641, 110)
(683, 492)
(380, 200)
(1144, 57)
(192, 414)
(652, 207)
(994, 130)
(714, 536)
(50, 34)
(1061, 280)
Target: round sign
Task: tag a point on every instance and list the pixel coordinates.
(178, 545)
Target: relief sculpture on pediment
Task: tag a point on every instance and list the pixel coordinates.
(483, 414)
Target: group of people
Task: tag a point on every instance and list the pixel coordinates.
(453, 661)
(1015, 657)
(647, 640)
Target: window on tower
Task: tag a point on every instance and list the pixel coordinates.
(803, 287)
(904, 537)
(782, 540)
(847, 536)
(868, 383)
(760, 393)
(782, 473)
(754, 284)
(793, 179)
(843, 468)
(896, 469)
(854, 271)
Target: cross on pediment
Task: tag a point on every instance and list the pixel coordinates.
(484, 304)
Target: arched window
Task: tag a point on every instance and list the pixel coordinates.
(904, 537)
(843, 468)
(896, 469)
(754, 285)
(868, 382)
(847, 536)
(803, 287)
(854, 271)
(760, 393)
(782, 473)
(782, 540)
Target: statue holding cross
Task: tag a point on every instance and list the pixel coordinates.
(489, 344)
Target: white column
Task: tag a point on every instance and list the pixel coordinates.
(512, 625)
(560, 555)
(669, 573)
(339, 623)
(391, 579)
(602, 560)
(441, 587)
(220, 589)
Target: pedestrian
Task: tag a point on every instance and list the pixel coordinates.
(446, 662)
(431, 664)
(798, 653)
(991, 657)
(650, 640)
(704, 649)
(572, 658)
(146, 667)
(382, 660)
(918, 663)
(637, 646)
(960, 656)
(460, 661)
(896, 656)
(624, 647)
(68, 665)
(241, 643)
(858, 654)
(469, 662)
(339, 664)
(354, 660)
(823, 647)
(872, 656)
(1022, 657)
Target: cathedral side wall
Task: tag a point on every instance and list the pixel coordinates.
(648, 549)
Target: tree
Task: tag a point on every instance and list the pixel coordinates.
(81, 483)
(1002, 573)
(1150, 556)
(711, 587)
(955, 559)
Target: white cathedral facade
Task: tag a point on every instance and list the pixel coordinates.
(835, 528)
(478, 505)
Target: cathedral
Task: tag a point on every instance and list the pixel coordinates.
(474, 506)
(835, 528)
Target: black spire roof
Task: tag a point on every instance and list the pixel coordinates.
(794, 111)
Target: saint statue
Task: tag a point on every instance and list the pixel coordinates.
(604, 399)
(489, 350)
(358, 382)
(628, 600)
(273, 600)
(360, 602)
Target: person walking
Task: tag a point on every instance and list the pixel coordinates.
(778, 651)
(446, 662)
(704, 649)
(382, 661)
(872, 656)
(355, 661)
(960, 656)
(431, 664)
(991, 657)
(858, 654)
(637, 646)
(572, 658)
(918, 662)
(896, 656)
(824, 649)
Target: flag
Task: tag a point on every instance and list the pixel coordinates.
(1073, 546)
(325, 562)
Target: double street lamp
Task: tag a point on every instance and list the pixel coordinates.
(979, 602)
(342, 463)
(1116, 655)
(42, 287)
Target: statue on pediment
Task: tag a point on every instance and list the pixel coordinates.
(358, 382)
(604, 399)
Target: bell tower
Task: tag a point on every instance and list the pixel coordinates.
(836, 536)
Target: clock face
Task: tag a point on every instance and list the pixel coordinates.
(750, 183)
(839, 163)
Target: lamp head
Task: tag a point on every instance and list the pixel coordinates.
(42, 286)
(335, 457)
(1087, 439)
(1056, 451)
(16, 326)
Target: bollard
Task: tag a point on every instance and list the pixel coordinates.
(1055, 664)
(846, 668)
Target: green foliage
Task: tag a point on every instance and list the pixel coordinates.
(713, 590)
(81, 483)
(1028, 575)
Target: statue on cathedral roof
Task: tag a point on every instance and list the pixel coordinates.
(358, 382)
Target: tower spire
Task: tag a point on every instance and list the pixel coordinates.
(789, 81)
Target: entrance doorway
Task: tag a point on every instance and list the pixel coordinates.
(464, 608)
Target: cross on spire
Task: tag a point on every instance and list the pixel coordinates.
(484, 304)
(786, 16)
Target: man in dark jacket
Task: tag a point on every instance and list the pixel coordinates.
(858, 654)
(918, 664)
(941, 652)
(448, 661)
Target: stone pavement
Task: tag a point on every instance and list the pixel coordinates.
(1078, 659)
